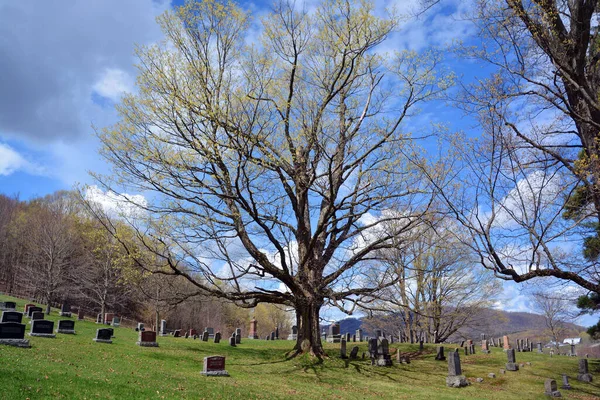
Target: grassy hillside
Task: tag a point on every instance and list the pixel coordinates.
(74, 367)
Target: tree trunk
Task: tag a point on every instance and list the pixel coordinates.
(309, 334)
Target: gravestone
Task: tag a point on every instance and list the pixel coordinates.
(103, 336)
(518, 345)
(276, 332)
(205, 336)
(572, 353)
(372, 343)
(272, 335)
(163, 328)
(484, 347)
(66, 326)
(116, 321)
(217, 337)
(254, 330)
(108, 318)
(80, 314)
(12, 316)
(472, 348)
(177, 333)
(539, 347)
(232, 340)
(65, 309)
(211, 332)
(343, 349)
(550, 388)
(354, 352)
(354, 338)
(99, 318)
(440, 354)
(359, 335)
(347, 337)
(238, 336)
(33, 309)
(584, 374)
(26, 309)
(140, 327)
(192, 332)
(511, 365)
(147, 339)
(13, 334)
(294, 334)
(383, 358)
(214, 366)
(36, 315)
(506, 343)
(8, 306)
(333, 333)
(42, 328)
(565, 380)
(187, 334)
(455, 377)
(268, 337)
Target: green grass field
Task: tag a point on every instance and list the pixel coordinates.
(75, 367)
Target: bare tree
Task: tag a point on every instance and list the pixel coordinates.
(556, 312)
(271, 166)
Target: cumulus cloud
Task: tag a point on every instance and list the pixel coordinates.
(11, 161)
(123, 204)
(114, 83)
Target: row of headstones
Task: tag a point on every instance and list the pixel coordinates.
(65, 310)
(12, 330)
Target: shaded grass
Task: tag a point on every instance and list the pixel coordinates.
(75, 367)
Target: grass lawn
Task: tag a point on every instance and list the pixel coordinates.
(75, 367)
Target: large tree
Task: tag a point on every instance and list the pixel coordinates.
(532, 200)
(272, 153)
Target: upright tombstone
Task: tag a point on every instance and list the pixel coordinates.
(103, 336)
(354, 338)
(42, 328)
(36, 315)
(347, 336)
(66, 326)
(65, 309)
(272, 335)
(440, 354)
(8, 306)
(506, 342)
(99, 318)
(13, 334)
(217, 338)
(238, 336)
(205, 336)
(572, 353)
(539, 347)
(192, 332)
(116, 321)
(551, 389)
(354, 353)
(455, 377)
(26, 308)
(471, 348)
(333, 334)
(32, 310)
(518, 345)
(108, 318)
(147, 339)
(187, 334)
(140, 327)
(276, 332)
(343, 349)
(384, 359)
(163, 328)
(232, 340)
(584, 373)
(80, 314)
(484, 347)
(12, 316)
(254, 330)
(294, 334)
(211, 332)
(511, 365)
(214, 366)
(359, 335)
(565, 380)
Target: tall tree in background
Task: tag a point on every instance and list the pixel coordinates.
(555, 310)
(271, 166)
(532, 204)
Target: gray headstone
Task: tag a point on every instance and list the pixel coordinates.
(205, 336)
(66, 326)
(343, 348)
(565, 380)
(511, 365)
(440, 354)
(354, 352)
(584, 375)
(550, 388)
(217, 337)
(238, 336)
(455, 377)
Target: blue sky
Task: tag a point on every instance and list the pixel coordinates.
(65, 64)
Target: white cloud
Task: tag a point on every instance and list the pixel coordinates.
(125, 205)
(114, 83)
(11, 161)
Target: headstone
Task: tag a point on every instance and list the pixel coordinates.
(192, 332)
(140, 327)
(472, 348)
(177, 333)
(276, 332)
(484, 347)
(163, 328)
(187, 334)
(32, 310)
(42, 328)
(65, 309)
(573, 354)
(294, 334)
(12, 316)
(550, 388)
(268, 337)
(147, 339)
(217, 337)
(273, 335)
(99, 318)
(333, 333)
(36, 315)
(455, 377)
(440, 354)
(466, 351)
(8, 306)
(354, 338)
(372, 350)
(347, 337)
(211, 332)
(80, 314)
(539, 347)
(518, 345)
(343, 349)
(26, 309)
(383, 358)
(103, 336)
(66, 326)
(214, 366)
(254, 330)
(359, 335)
(13, 334)
(354, 352)
(584, 374)
(565, 380)
(116, 321)
(232, 340)
(506, 343)
(205, 336)
(108, 318)
(238, 335)
(511, 365)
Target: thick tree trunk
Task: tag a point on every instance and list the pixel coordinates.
(309, 335)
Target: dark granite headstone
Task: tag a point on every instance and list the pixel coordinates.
(343, 349)
(232, 340)
(36, 315)
(33, 309)
(354, 352)
(42, 328)
(12, 316)
(205, 336)
(440, 354)
(65, 310)
(66, 326)
(13, 334)
(565, 384)
(584, 373)
(103, 336)
(238, 336)
(217, 337)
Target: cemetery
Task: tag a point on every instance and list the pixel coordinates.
(132, 366)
